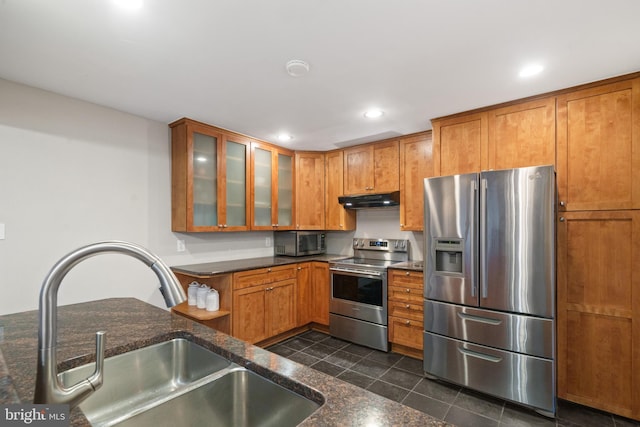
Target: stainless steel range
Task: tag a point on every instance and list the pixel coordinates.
(358, 306)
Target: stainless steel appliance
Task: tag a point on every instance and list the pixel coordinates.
(299, 243)
(358, 305)
(490, 281)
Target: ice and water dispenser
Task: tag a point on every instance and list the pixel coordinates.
(448, 256)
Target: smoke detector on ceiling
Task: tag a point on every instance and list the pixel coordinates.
(297, 68)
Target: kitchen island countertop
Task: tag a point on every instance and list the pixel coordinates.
(131, 324)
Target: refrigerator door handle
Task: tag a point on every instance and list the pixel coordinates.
(472, 255)
(487, 320)
(483, 238)
(483, 356)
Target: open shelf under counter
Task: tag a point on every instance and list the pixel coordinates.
(198, 314)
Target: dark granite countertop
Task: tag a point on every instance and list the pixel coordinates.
(131, 324)
(409, 265)
(220, 267)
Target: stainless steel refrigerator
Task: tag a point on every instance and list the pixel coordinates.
(490, 283)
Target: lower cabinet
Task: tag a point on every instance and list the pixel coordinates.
(313, 293)
(406, 313)
(599, 310)
(320, 292)
(303, 294)
(264, 303)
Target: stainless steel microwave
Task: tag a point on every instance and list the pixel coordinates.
(299, 243)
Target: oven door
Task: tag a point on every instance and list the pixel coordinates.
(360, 295)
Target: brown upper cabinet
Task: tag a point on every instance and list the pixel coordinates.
(460, 144)
(336, 216)
(372, 168)
(210, 177)
(599, 147)
(310, 211)
(272, 187)
(522, 135)
(518, 135)
(416, 164)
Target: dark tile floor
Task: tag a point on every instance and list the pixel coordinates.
(400, 378)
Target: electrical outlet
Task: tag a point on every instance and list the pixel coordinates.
(267, 242)
(181, 246)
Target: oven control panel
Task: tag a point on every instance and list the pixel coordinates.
(386, 245)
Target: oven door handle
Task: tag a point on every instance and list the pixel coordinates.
(358, 273)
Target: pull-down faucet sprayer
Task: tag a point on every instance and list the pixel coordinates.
(48, 387)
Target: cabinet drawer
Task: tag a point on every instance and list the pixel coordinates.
(406, 332)
(406, 310)
(406, 294)
(263, 276)
(406, 278)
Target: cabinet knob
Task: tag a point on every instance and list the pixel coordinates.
(561, 219)
(220, 225)
(407, 290)
(299, 268)
(562, 203)
(408, 322)
(269, 270)
(225, 226)
(407, 306)
(407, 273)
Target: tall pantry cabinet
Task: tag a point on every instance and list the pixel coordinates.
(598, 142)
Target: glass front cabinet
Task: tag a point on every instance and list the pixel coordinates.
(272, 191)
(210, 178)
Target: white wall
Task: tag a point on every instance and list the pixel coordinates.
(74, 173)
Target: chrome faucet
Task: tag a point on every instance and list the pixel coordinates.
(49, 389)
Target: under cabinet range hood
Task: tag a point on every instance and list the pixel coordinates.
(367, 201)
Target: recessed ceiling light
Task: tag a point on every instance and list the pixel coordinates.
(373, 113)
(531, 70)
(129, 4)
(297, 68)
(284, 137)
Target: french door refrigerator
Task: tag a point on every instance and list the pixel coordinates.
(489, 283)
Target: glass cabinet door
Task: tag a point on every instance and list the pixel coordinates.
(236, 185)
(262, 187)
(205, 193)
(285, 190)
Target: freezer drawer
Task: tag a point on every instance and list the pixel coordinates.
(516, 377)
(513, 332)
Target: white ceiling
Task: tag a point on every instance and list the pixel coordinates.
(223, 61)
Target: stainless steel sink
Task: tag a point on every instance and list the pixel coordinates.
(240, 398)
(181, 383)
